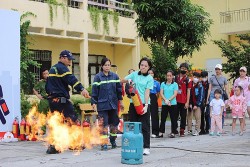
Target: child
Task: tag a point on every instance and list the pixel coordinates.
(196, 100)
(238, 105)
(216, 110)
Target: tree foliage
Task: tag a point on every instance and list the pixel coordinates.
(162, 60)
(237, 54)
(177, 25)
(27, 77)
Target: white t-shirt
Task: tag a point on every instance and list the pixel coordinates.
(216, 106)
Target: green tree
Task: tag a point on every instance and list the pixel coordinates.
(178, 25)
(160, 58)
(237, 55)
(27, 77)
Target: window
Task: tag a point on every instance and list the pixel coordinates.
(42, 57)
(74, 4)
(94, 66)
(76, 68)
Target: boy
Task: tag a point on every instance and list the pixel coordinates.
(196, 101)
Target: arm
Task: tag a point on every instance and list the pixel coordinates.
(174, 95)
(208, 92)
(188, 98)
(146, 95)
(37, 94)
(95, 91)
(200, 96)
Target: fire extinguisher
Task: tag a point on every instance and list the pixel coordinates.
(22, 130)
(15, 128)
(27, 130)
(136, 99)
(78, 123)
(85, 124)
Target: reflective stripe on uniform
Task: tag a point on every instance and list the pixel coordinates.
(113, 134)
(103, 82)
(59, 75)
(104, 136)
(76, 84)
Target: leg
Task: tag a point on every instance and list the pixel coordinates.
(113, 121)
(207, 119)
(145, 120)
(241, 125)
(154, 114)
(248, 109)
(202, 127)
(183, 115)
(164, 115)
(189, 119)
(212, 124)
(218, 122)
(103, 121)
(173, 117)
(197, 115)
(133, 116)
(233, 126)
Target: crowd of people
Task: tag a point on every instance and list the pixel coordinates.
(182, 98)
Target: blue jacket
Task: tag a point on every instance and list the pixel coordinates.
(197, 95)
(58, 82)
(106, 91)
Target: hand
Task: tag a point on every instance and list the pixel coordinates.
(210, 115)
(129, 81)
(85, 93)
(195, 107)
(145, 109)
(207, 102)
(121, 105)
(40, 96)
(166, 101)
(221, 115)
(186, 106)
(94, 107)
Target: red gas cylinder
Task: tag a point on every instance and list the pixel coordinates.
(15, 128)
(22, 130)
(85, 124)
(136, 100)
(27, 130)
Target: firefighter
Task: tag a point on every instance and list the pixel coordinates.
(106, 92)
(57, 88)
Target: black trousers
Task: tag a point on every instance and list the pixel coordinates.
(145, 121)
(182, 112)
(154, 114)
(172, 110)
(205, 121)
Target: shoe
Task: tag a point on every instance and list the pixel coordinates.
(211, 133)
(52, 150)
(176, 132)
(206, 132)
(218, 134)
(202, 132)
(113, 144)
(146, 151)
(104, 147)
(233, 133)
(189, 132)
(171, 135)
(241, 133)
(196, 133)
(153, 136)
(182, 133)
(160, 136)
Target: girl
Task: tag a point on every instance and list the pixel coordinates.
(106, 91)
(238, 105)
(216, 110)
(169, 90)
(154, 105)
(143, 83)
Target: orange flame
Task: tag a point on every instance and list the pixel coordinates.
(64, 134)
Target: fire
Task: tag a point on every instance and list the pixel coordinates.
(64, 134)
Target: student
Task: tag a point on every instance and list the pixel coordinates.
(154, 93)
(183, 95)
(168, 93)
(216, 110)
(238, 105)
(205, 112)
(127, 91)
(196, 100)
(106, 92)
(143, 83)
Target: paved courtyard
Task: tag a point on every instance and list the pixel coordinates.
(205, 150)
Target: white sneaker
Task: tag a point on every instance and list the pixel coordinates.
(196, 133)
(146, 151)
(153, 136)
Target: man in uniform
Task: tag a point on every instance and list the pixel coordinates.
(58, 91)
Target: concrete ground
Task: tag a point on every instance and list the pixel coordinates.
(189, 151)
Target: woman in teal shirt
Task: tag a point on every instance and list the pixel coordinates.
(143, 83)
(168, 92)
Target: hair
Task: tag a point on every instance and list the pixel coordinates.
(196, 74)
(104, 60)
(153, 70)
(43, 69)
(217, 91)
(239, 88)
(184, 65)
(204, 74)
(149, 64)
(172, 72)
(130, 70)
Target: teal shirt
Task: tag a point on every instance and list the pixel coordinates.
(141, 83)
(168, 91)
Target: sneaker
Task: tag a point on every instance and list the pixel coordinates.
(233, 133)
(196, 133)
(153, 136)
(104, 147)
(182, 133)
(52, 150)
(146, 151)
(171, 135)
(241, 133)
(189, 132)
(218, 134)
(211, 133)
(202, 132)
